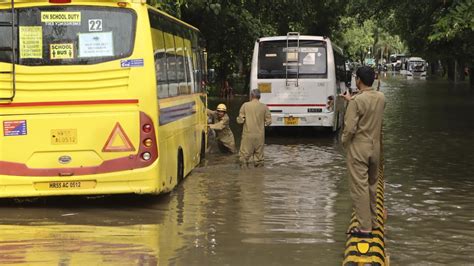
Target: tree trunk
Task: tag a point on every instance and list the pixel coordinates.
(471, 77)
(450, 69)
(460, 73)
(433, 66)
(456, 71)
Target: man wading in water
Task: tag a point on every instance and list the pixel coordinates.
(255, 116)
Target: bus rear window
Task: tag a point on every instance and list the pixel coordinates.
(276, 59)
(67, 35)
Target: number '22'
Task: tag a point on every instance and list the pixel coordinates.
(95, 24)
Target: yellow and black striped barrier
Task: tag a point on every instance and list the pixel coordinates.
(369, 251)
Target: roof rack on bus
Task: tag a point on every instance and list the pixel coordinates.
(293, 35)
(13, 51)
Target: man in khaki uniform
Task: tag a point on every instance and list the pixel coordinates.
(224, 136)
(255, 116)
(361, 138)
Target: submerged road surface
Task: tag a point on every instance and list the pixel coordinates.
(294, 211)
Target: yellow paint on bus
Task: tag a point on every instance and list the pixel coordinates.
(122, 111)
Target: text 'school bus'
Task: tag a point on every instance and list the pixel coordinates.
(300, 78)
(98, 97)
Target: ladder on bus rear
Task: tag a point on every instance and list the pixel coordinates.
(13, 51)
(288, 36)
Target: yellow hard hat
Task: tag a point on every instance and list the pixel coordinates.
(222, 107)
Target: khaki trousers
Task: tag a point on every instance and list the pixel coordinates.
(363, 159)
(252, 145)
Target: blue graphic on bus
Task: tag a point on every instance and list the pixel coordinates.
(14, 128)
(132, 63)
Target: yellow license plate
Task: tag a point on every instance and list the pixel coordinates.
(65, 185)
(63, 136)
(265, 87)
(291, 120)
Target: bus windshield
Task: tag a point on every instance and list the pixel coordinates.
(276, 59)
(67, 35)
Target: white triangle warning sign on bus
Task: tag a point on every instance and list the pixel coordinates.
(118, 141)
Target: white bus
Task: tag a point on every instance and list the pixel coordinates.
(416, 68)
(300, 78)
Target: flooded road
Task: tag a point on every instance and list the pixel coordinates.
(294, 211)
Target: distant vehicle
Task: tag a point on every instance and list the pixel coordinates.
(396, 61)
(370, 62)
(416, 67)
(300, 78)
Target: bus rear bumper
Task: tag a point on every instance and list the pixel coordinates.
(309, 119)
(138, 181)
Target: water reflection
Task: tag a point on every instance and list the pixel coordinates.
(79, 245)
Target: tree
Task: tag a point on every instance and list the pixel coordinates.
(356, 38)
(455, 28)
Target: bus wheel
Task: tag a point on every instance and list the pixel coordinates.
(180, 166)
(202, 154)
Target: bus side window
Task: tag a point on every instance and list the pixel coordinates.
(197, 70)
(159, 52)
(180, 66)
(340, 70)
(171, 65)
(6, 33)
(340, 67)
(161, 75)
(161, 68)
(188, 66)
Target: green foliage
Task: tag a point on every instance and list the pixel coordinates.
(457, 20)
(231, 27)
(173, 7)
(437, 30)
(357, 38)
(432, 29)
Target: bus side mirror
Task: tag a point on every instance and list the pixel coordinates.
(211, 75)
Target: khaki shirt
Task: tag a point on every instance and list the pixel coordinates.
(255, 116)
(221, 127)
(363, 118)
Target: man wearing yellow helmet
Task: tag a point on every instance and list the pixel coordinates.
(220, 124)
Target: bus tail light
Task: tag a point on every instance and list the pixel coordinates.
(60, 1)
(146, 156)
(148, 150)
(147, 128)
(148, 142)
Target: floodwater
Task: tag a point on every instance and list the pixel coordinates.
(294, 211)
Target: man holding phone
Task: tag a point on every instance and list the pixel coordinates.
(361, 139)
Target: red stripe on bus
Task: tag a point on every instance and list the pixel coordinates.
(296, 105)
(120, 164)
(93, 102)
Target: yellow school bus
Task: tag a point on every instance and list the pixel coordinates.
(98, 97)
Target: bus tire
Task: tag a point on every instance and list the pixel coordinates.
(180, 173)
